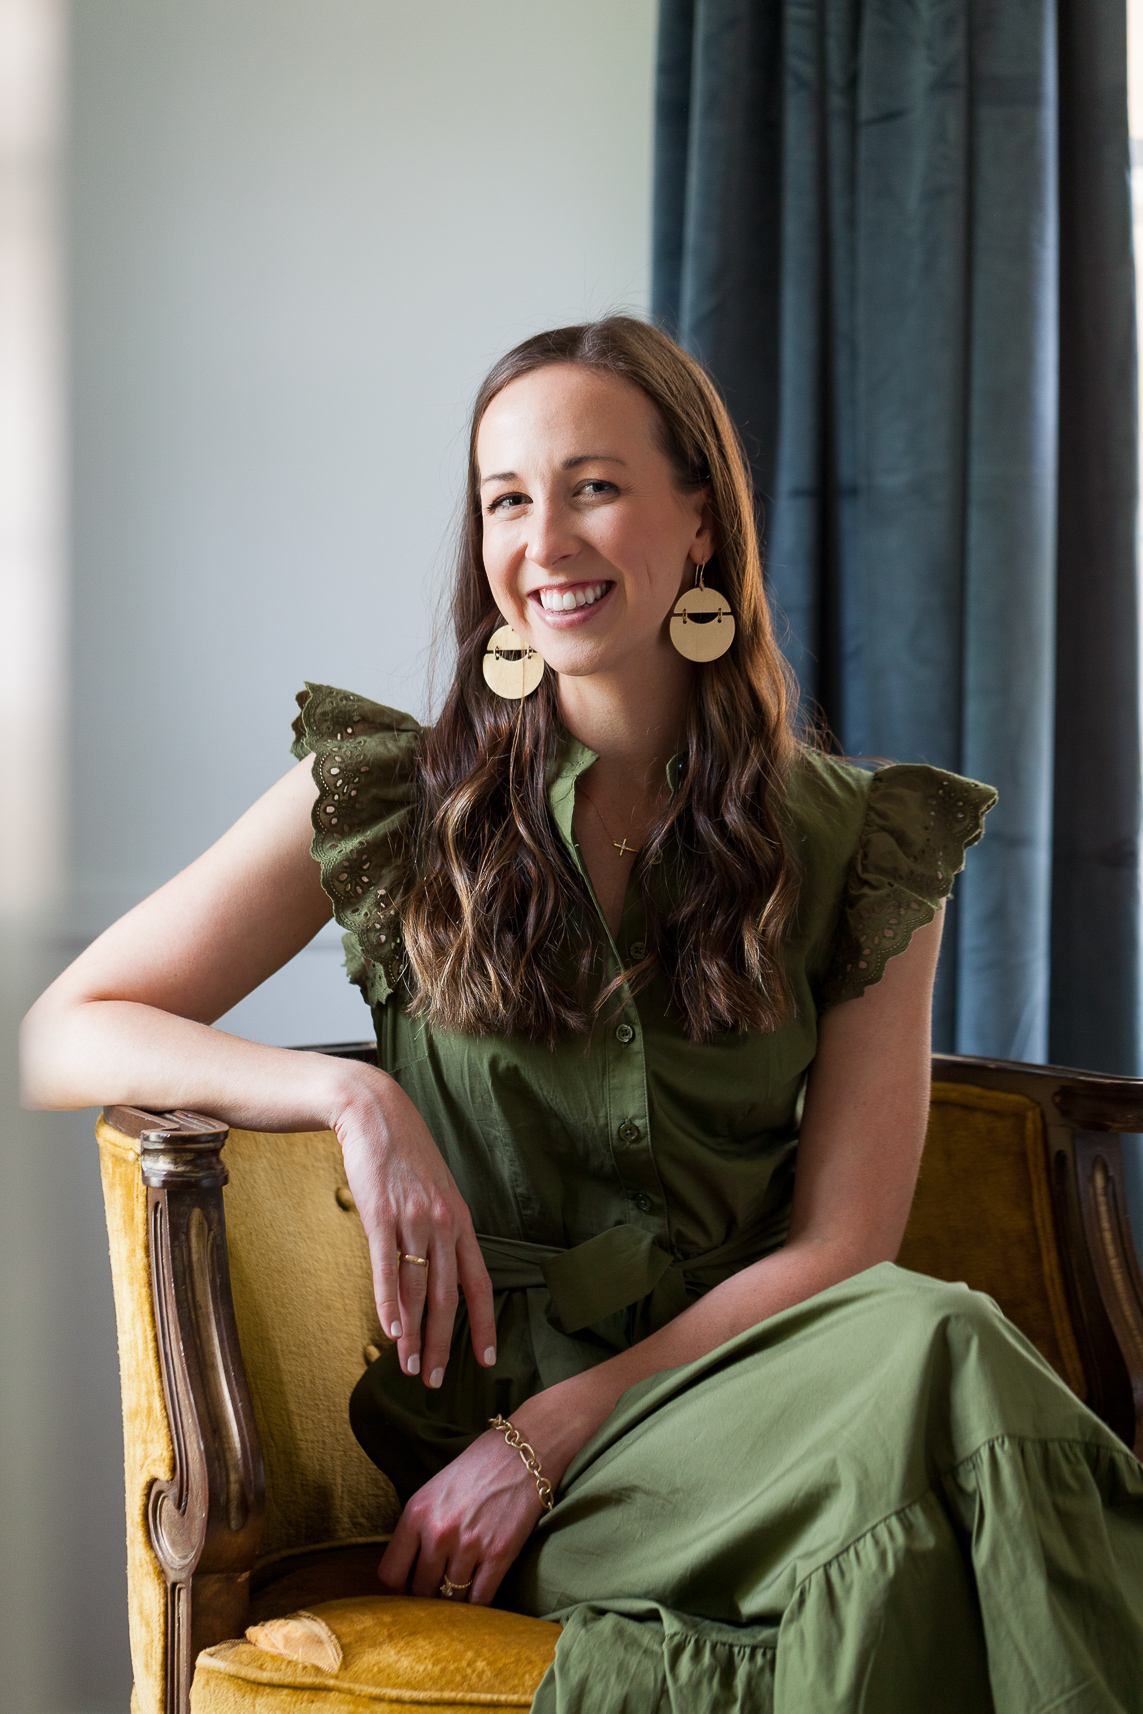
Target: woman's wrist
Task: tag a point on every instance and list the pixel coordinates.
(348, 1089)
(561, 1420)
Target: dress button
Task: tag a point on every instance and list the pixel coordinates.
(642, 1202)
(628, 1133)
(638, 949)
(625, 1034)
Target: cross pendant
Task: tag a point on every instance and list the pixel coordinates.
(623, 848)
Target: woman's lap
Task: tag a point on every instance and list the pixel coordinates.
(858, 1481)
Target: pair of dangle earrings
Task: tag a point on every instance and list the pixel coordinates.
(702, 629)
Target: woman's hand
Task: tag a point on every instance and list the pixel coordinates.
(410, 1206)
(469, 1522)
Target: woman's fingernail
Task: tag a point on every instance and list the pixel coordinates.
(413, 1366)
(490, 1355)
(394, 1330)
(436, 1377)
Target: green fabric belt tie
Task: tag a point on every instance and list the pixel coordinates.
(616, 1268)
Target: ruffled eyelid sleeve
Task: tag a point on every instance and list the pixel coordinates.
(918, 825)
(363, 766)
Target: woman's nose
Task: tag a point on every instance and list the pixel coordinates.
(551, 539)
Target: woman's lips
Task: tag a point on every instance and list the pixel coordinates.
(586, 599)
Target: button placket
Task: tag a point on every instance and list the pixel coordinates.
(625, 1066)
(627, 1104)
(629, 1107)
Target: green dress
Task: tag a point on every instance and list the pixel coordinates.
(882, 1499)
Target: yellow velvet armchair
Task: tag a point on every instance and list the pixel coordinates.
(245, 1315)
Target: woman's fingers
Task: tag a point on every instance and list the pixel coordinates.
(385, 1283)
(412, 1287)
(477, 1288)
(443, 1298)
(460, 1572)
(486, 1580)
(452, 1260)
(429, 1571)
(397, 1561)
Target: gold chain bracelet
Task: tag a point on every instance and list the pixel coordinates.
(527, 1453)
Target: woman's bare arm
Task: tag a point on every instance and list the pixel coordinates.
(862, 1132)
(130, 1022)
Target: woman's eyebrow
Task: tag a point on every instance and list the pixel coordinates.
(568, 464)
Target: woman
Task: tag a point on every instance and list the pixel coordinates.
(632, 952)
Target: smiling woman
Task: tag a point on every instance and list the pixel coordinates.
(651, 982)
(600, 457)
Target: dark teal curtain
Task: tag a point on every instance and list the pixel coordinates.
(899, 233)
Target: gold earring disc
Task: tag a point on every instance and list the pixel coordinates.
(512, 668)
(706, 637)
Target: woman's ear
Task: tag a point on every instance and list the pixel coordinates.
(705, 543)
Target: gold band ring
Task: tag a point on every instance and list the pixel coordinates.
(421, 1261)
(448, 1588)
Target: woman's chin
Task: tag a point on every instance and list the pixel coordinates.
(603, 657)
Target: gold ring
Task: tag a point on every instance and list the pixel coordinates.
(448, 1588)
(421, 1261)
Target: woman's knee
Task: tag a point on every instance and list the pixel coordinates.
(920, 1303)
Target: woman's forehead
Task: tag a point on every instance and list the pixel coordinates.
(553, 409)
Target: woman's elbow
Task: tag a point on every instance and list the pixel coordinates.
(44, 1057)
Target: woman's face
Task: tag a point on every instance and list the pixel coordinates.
(588, 539)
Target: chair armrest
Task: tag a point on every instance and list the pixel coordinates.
(205, 1521)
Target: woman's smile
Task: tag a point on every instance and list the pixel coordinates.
(564, 604)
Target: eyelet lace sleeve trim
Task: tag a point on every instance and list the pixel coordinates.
(363, 766)
(918, 825)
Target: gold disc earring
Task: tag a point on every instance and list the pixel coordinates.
(512, 668)
(702, 638)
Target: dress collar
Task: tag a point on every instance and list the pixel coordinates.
(574, 759)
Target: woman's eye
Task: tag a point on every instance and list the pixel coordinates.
(597, 486)
(508, 502)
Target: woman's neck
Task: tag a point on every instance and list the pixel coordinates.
(634, 721)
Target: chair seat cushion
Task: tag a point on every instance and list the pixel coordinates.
(441, 1657)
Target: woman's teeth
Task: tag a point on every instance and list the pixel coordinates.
(563, 600)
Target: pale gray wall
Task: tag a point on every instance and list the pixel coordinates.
(301, 233)
(300, 230)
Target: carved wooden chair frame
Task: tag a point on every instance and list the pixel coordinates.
(206, 1521)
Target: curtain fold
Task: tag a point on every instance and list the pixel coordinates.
(899, 233)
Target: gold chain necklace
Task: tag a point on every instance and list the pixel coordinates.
(620, 845)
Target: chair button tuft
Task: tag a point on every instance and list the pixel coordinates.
(371, 1354)
(343, 1196)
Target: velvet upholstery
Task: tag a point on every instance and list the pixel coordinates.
(397, 1652)
(982, 1214)
(303, 1298)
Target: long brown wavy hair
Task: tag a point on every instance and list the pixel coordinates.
(500, 932)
